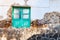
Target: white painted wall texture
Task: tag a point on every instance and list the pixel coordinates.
(39, 7)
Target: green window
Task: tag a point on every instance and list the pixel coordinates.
(21, 16)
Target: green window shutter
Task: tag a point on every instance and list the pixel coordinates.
(21, 16)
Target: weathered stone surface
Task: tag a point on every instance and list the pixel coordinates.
(52, 17)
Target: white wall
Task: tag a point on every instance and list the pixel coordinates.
(39, 7)
(55, 5)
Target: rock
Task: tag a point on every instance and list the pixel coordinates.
(52, 17)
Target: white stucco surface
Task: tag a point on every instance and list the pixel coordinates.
(38, 7)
